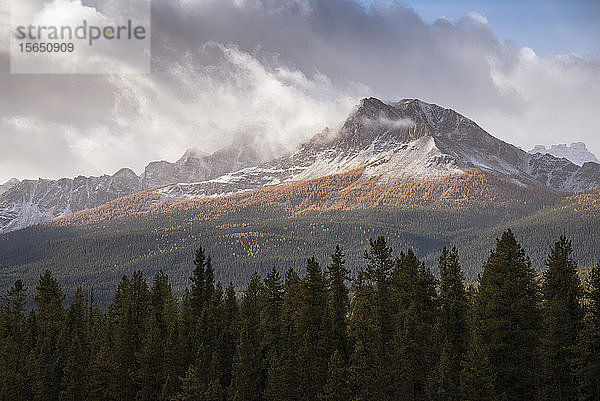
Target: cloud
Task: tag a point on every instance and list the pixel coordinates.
(278, 71)
(560, 96)
(382, 121)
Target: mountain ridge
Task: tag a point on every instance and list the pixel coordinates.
(406, 140)
(409, 138)
(576, 153)
(30, 202)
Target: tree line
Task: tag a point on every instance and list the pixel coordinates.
(393, 332)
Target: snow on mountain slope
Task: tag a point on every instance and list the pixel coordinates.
(8, 185)
(34, 201)
(196, 165)
(576, 153)
(30, 202)
(407, 139)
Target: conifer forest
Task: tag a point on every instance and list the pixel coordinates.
(392, 331)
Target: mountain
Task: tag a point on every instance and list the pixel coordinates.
(31, 202)
(196, 165)
(421, 175)
(34, 201)
(407, 139)
(8, 185)
(576, 153)
(391, 143)
(282, 225)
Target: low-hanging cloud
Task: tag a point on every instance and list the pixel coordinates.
(277, 72)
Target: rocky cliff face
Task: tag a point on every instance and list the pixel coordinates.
(8, 185)
(196, 165)
(577, 153)
(407, 139)
(35, 201)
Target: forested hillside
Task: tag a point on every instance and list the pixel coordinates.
(394, 332)
(279, 226)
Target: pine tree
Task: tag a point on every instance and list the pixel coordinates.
(336, 388)
(368, 362)
(414, 289)
(48, 362)
(313, 353)
(589, 343)
(14, 378)
(162, 315)
(339, 302)
(76, 347)
(563, 318)
(477, 375)
(507, 320)
(247, 369)
(198, 290)
(128, 321)
(452, 327)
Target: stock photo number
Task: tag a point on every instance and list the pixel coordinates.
(46, 47)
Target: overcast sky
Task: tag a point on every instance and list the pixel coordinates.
(278, 71)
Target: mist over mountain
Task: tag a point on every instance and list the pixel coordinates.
(409, 139)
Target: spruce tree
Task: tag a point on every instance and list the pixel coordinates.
(175, 353)
(282, 374)
(589, 343)
(271, 311)
(76, 347)
(313, 354)
(161, 320)
(452, 327)
(247, 369)
(102, 382)
(128, 321)
(477, 375)
(339, 302)
(14, 347)
(282, 378)
(414, 340)
(198, 289)
(336, 388)
(563, 317)
(191, 387)
(507, 320)
(48, 360)
(229, 335)
(379, 265)
(368, 362)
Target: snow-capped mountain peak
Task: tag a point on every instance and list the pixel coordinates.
(406, 139)
(409, 139)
